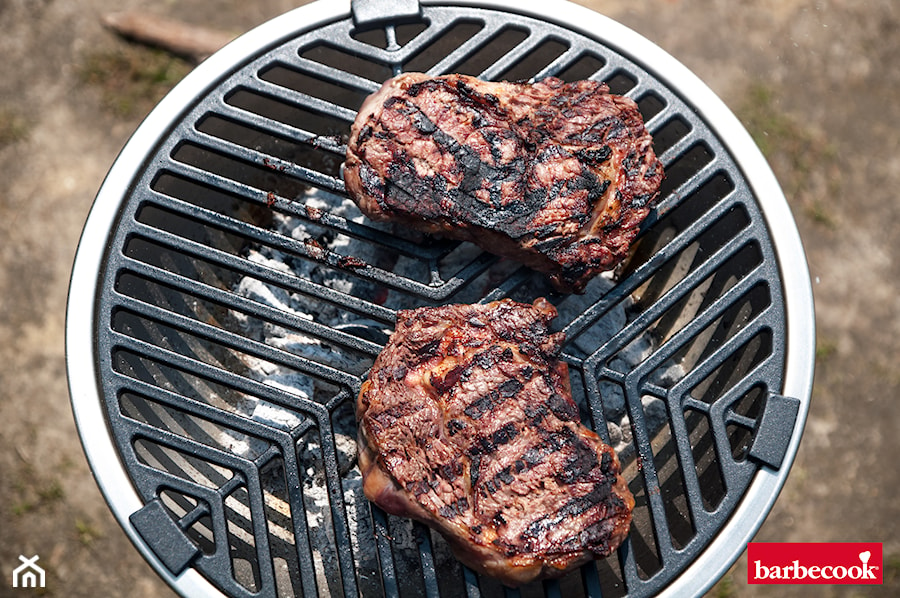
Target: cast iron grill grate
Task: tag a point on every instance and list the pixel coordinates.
(241, 300)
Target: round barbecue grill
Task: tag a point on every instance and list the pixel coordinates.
(228, 299)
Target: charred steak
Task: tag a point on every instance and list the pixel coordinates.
(467, 424)
(556, 175)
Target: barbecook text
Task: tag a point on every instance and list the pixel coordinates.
(797, 571)
(814, 563)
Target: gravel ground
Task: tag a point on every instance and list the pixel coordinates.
(815, 82)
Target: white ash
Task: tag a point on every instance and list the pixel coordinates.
(316, 503)
(621, 434)
(655, 412)
(603, 329)
(668, 375)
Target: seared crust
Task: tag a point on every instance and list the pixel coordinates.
(556, 175)
(467, 424)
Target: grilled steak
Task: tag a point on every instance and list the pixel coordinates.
(467, 424)
(556, 175)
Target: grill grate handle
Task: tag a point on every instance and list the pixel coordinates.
(373, 12)
(775, 430)
(164, 537)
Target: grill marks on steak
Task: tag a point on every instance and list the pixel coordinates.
(557, 175)
(467, 424)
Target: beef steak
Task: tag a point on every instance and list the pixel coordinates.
(556, 175)
(467, 424)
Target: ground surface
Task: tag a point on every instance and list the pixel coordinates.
(815, 82)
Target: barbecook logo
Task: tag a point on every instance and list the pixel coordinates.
(814, 563)
(796, 571)
(28, 574)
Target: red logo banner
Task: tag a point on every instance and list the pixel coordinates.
(814, 563)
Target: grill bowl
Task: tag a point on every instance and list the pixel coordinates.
(216, 422)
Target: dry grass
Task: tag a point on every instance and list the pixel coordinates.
(34, 492)
(13, 126)
(804, 161)
(131, 78)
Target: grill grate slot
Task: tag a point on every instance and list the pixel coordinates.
(346, 61)
(444, 44)
(404, 33)
(282, 149)
(551, 53)
(246, 298)
(650, 106)
(337, 97)
(585, 66)
(491, 51)
(282, 116)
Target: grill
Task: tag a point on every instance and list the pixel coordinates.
(227, 301)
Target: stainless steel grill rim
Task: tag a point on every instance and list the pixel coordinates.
(81, 317)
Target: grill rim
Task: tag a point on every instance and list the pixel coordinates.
(81, 316)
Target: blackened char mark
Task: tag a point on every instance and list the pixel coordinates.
(465, 94)
(486, 359)
(399, 372)
(404, 188)
(407, 191)
(535, 412)
(454, 426)
(403, 106)
(562, 407)
(640, 201)
(469, 92)
(594, 156)
(484, 404)
(418, 352)
(475, 469)
(448, 471)
(551, 243)
(417, 487)
(455, 508)
(372, 183)
(510, 388)
(606, 466)
(598, 496)
(497, 212)
(504, 477)
(488, 445)
(535, 455)
(600, 133)
(389, 417)
(581, 465)
(504, 435)
(428, 349)
(364, 134)
(482, 446)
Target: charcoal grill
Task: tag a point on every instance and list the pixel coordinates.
(227, 301)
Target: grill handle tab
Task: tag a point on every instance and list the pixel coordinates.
(775, 430)
(367, 13)
(164, 537)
